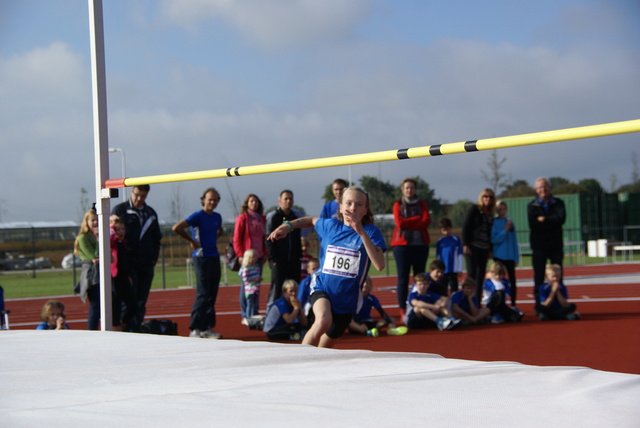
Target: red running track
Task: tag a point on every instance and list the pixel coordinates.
(607, 337)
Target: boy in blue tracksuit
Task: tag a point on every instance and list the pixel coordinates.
(494, 296)
(363, 323)
(285, 317)
(464, 304)
(425, 308)
(553, 297)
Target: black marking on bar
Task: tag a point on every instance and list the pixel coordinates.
(236, 171)
(403, 154)
(435, 150)
(470, 146)
(228, 172)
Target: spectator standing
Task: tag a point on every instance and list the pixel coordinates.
(410, 241)
(249, 234)
(476, 236)
(546, 215)
(143, 242)
(86, 246)
(284, 254)
(120, 278)
(449, 250)
(251, 277)
(504, 243)
(330, 209)
(206, 227)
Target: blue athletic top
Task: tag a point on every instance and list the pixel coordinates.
(461, 300)
(274, 318)
(368, 303)
(545, 290)
(489, 287)
(430, 297)
(204, 229)
(344, 263)
(330, 210)
(44, 326)
(449, 250)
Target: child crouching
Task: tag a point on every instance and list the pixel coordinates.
(285, 319)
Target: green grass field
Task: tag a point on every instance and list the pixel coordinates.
(58, 282)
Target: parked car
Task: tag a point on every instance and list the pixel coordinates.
(69, 260)
(39, 263)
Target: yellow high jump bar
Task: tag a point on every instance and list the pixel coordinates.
(592, 131)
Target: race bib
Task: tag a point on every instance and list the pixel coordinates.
(341, 261)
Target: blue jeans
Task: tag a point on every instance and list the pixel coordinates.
(93, 320)
(251, 307)
(408, 257)
(203, 313)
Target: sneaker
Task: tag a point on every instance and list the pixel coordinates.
(543, 317)
(210, 334)
(497, 319)
(443, 323)
(574, 316)
(245, 321)
(455, 322)
(373, 332)
(398, 331)
(195, 333)
(295, 336)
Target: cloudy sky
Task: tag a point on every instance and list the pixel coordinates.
(197, 85)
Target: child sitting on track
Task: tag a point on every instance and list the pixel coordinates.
(425, 308)
(494, 296)
(362, 322)
(436, 279)
(464, 304)
(285, 318)
(53, 317)
(553, 297)
(304, 289)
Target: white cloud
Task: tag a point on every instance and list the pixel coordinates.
(273, 24)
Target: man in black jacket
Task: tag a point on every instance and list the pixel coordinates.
(546, 216)
(142, 232)
(284, 254)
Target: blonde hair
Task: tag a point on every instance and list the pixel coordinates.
(368, 217)
(491, 209)
(555, 268)
(498, 268)
(289, 284)
(48, 307)
(84, 229)
(248, 255)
